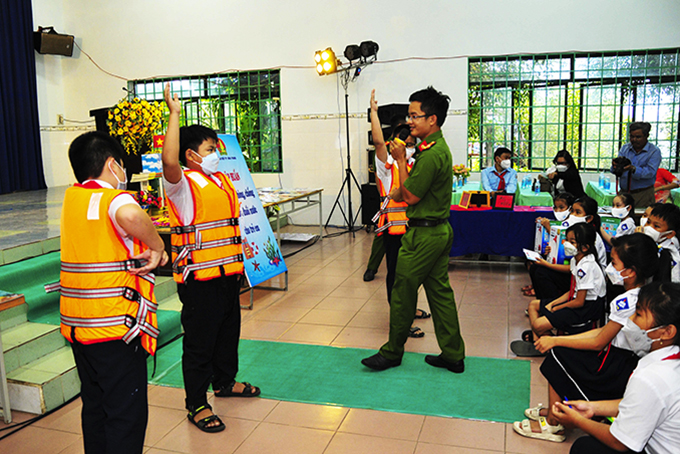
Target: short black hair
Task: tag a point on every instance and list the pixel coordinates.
(499, 151)
(397, 123)
(638, 252)
(662, 299)
(668, 212)
(585, 236)
(567, 197)
(191, 137)
(628, 199)
(640, 126)
(89, 151)
(432, 102)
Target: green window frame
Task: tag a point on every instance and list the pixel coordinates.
(247, 104)
(539, 104)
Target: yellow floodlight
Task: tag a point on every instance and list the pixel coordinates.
(326, 62)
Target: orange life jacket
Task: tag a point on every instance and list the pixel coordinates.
(392, 215)
(212, 241)
(100, 300)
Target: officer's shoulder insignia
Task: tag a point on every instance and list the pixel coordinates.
(622, 304)
(426, 145)
(580, 273)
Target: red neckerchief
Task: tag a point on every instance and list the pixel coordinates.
(675, 356)
(501, 180)
(90, 185)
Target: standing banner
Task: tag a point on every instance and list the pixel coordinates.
(262, 258)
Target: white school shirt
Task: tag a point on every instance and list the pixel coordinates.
(599, 246)
(180, 194)
(116, 203)
(673, 247)
(620, 310)
(626, 227)
(649, 413)
(588, 276)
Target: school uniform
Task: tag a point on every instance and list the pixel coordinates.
(586, 275)
(595, 375)
(649, 413)
(673, 246)
(626, 227)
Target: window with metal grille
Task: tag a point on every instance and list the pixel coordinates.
(537, 105)
(246, 104)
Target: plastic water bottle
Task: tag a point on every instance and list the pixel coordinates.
(601, 181)
(537, 188)
(607, 183)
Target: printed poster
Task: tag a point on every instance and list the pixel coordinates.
(262, 258)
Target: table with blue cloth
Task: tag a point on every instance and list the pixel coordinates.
(524, 197)
(457, 192)
(495, 232)
(601, 196)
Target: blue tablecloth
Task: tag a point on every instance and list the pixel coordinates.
(495, 232)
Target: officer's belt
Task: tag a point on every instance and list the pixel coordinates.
(425, 222)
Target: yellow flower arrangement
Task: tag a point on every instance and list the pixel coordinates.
(135, 122)
(461, 171)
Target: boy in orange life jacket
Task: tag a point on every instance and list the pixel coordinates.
(392, 215)
(108, 310)
(207, 265)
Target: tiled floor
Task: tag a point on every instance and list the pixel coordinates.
(328, 303)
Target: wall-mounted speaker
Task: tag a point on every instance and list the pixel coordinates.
(47, 41)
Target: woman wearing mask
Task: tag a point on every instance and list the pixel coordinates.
(564, 175)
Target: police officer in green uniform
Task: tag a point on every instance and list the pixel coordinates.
(424, 254)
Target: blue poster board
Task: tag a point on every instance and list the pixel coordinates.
(262, 258)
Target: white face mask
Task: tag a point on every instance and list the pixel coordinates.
(561, 167)
(655, 234)
(210, 163)
(637, 338)
(576, 219)
(122, 185)
(569, 249)
(505, 164)
(643, 221)
(620, 212)
(561, 215)
(410, 152)
(614, 275)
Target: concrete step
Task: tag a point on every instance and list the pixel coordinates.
(45, 383)
(165, 287)
(27, 342)
(9, 318)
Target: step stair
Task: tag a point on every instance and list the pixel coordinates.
(41, 372)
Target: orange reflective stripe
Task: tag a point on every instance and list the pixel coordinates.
(392, 214)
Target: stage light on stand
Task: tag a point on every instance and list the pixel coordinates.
(369, 49)
(326, 62)
(352, 52)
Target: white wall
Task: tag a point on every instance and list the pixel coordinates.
(143, 39)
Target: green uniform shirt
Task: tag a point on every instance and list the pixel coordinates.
(431, 179)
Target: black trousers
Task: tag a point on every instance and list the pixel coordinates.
(114, 394)
(591, 445)
(392, 246)
(211, 317)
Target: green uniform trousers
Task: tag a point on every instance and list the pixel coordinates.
(377, 253)
(423, 260)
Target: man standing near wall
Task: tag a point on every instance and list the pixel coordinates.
(424, 254)
(645, 159)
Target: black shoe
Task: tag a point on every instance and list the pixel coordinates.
(437, 361)
(369, 275)
(379, 362)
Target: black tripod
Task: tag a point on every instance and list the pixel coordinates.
(348, 217)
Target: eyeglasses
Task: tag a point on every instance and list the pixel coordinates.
(414, 117)
(410, 145)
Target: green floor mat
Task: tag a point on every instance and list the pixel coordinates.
(490, 389)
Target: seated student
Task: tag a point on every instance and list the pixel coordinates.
(552, 280)
(561, 210)
(622, 208)
(647, 417)
(595, 365)
(644, 217)
(662, 226)
(500, 177)
(578, 308)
